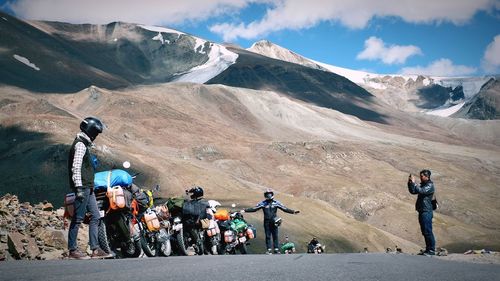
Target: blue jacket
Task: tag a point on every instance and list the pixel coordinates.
(270, 209)
(425, 193)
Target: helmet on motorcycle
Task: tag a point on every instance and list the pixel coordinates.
(196, 192)
(92, 127)
(269, 194)
(238, 215)
(213, 205)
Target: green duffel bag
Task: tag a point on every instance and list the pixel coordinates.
(175, 204)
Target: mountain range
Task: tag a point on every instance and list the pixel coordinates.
(335, 143)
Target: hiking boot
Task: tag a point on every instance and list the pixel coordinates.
(100, 254)
(78, 255)
(269, 251)
(429, 253)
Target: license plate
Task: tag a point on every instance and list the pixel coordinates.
(243, 239)
(101, 213)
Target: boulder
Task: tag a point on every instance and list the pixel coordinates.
(21, 246)
(54, 238)
(47, 206)
(15, 244)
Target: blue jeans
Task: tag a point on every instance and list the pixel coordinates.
(271, 230)
(425, 221)
(83, 205)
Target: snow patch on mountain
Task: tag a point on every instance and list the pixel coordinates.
(446, 111)
(26, 62)
(219, 59)
(160, 38)
(161, 29)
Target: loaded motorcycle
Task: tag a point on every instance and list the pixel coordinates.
(155, 233)
(236, 232)
(117, 232)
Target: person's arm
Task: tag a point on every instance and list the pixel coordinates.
(285, 209)
(254, 209)
(80, 150)
(426, 189)
(412, 185)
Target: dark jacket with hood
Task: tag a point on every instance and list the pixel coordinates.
(425, 193)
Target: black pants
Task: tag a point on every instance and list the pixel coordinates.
(271, 230)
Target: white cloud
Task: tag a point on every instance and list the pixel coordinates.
(145, 12)
(375, 49)
(442, 67)
(296, 14)
(491, 58)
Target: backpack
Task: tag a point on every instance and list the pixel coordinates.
(175, 204)
(193, 211)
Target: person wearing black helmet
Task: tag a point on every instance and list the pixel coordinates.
(271, 221)
(81, 166)
(196, 193)
(424, 208)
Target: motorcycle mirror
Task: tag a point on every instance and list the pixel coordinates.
(126, 164)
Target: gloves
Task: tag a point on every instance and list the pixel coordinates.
(80, 192)
(296, 212)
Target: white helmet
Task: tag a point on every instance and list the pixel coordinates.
(213, 205)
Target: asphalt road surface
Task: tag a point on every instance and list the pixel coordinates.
(345, 267)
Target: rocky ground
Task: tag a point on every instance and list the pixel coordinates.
(33, 232)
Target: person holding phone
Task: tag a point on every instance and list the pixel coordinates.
(424, 208)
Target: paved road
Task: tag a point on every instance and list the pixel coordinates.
(343, 267)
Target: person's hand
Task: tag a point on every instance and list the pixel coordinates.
(296, 212)
(80, 192)
(411, 178)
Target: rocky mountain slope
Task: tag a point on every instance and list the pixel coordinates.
(485, 105)
(61, 57)
(347, 176)
(403, 92)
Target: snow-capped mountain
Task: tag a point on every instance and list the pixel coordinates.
(219, 58)
(434, 95)
(62, 57)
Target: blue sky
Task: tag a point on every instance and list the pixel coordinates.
(436, 37)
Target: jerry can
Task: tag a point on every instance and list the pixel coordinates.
(152, 221)
(250, 234)
(228, 236)
(116, 197)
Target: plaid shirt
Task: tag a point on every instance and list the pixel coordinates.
(80, 150)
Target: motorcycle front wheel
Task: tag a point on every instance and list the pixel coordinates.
(165, 248)
(102, 236)
(148, 245)
(180, 245)
(131, 249)
(243, 248)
